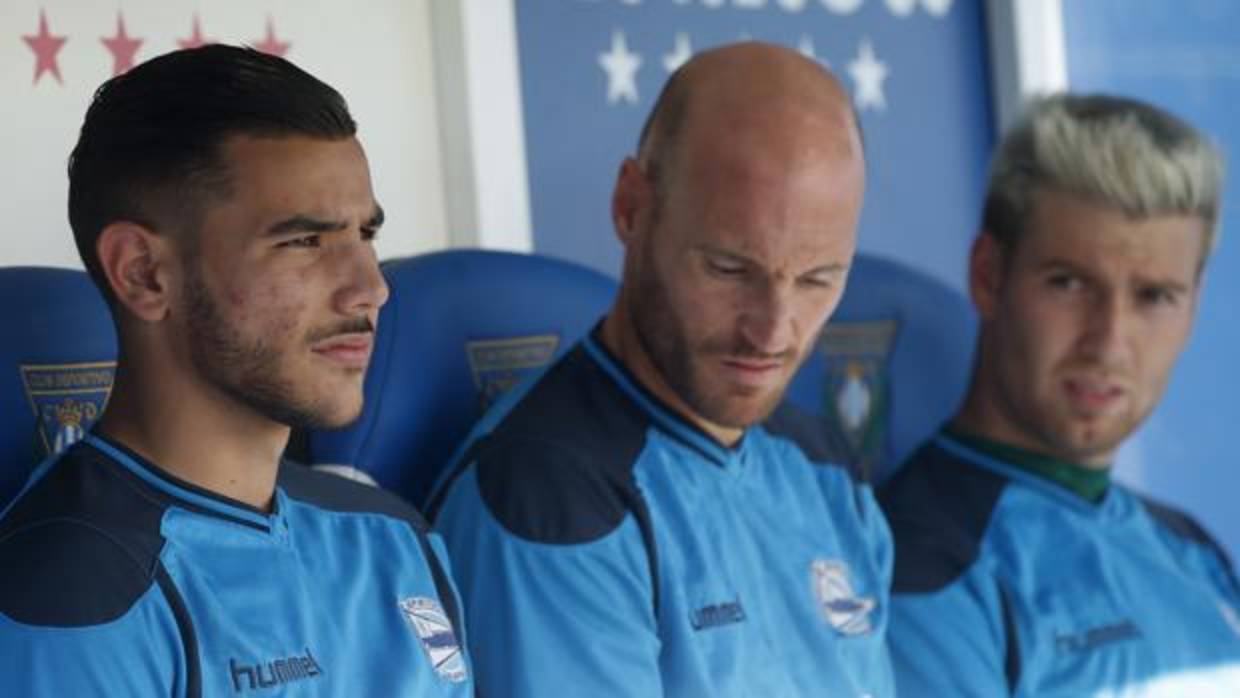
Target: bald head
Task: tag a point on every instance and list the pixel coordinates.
(748, 90)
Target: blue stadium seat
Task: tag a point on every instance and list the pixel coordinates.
(460, 328)
(57, 362)
(891, 366)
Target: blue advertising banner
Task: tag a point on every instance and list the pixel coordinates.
(1184, 56)
(591, 69)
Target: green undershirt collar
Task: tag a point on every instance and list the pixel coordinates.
(1088, 483)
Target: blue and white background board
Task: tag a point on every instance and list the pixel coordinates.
(1184, 56)
(591, 70)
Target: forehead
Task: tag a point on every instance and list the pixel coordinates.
(298, 174)
(768, 194)
(1104, 239)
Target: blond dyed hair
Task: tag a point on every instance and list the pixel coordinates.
(1115, 151)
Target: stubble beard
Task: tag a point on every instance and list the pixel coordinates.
(248, 371)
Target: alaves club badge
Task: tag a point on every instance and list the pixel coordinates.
(856, 396)
(66, 400)
(499, 364)
(842, 608)
(434, 631)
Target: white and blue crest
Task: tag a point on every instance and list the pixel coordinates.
(434, 631)
(847, 612)
(66, 400)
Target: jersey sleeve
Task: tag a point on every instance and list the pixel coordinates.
(138, 654)
(548, 615)
(953, 641)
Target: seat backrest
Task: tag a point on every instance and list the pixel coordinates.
(461, 327)
(891, 365)
(57, 362)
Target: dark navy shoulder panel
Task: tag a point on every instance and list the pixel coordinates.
(80, 546)
(938, 508)
(813, 434)
(558, 468)
(335, 493)
(1183, 525)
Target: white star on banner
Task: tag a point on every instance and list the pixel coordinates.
(681, 53)
(621, 66)
(806, 47)
(868, 73)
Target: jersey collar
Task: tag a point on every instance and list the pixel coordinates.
(194, 497)
(667, 419)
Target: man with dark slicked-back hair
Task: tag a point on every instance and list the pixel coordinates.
(645, 519)
(222, 203)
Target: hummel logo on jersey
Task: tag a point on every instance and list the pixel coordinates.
(1093, 638)
(717, 614)
(273, 673)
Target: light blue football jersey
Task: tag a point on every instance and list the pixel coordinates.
(604, 546)
(1008, 584)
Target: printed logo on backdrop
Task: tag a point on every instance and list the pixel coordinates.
(66, 400)
(842, 608)
(499, 364)
(434, 631)
(856, 390)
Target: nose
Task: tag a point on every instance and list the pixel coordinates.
(363, 289)
(767, 321)
(1105, 335)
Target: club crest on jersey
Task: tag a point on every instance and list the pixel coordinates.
(434, 631)
(499, 364)
(841, 607)
(855, 398)
(66, 400)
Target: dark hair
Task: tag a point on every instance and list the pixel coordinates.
(149, 149)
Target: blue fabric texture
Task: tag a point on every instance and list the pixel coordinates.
(606, 547)
(1007, 584)
(120, 580)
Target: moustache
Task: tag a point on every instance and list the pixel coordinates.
(355, 326)
(745, 351)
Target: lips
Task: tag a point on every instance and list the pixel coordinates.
(1092, 394)
(753, 372)
(347, 350)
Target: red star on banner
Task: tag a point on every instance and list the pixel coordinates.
(196, 39)
(45, 47)
(270, 44)
(122, 46)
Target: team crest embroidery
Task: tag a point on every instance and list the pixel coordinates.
(856, 396)
(66, 400)
(840, 605)
(499, 364)
(434, 631)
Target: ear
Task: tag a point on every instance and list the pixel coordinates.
(136, 263)
(986, 267)
(631, 201)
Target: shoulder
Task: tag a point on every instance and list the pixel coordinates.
(334, 493)
(811, 434)
(558, 467)
(1181, 524)
(81, 546)
(939, 508)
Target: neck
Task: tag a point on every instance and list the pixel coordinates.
(619, 335)
(195, 432)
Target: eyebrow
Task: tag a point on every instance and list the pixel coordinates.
(832, 268)
(1064, 265)
(303, 223)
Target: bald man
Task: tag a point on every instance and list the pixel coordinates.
(642, 520)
